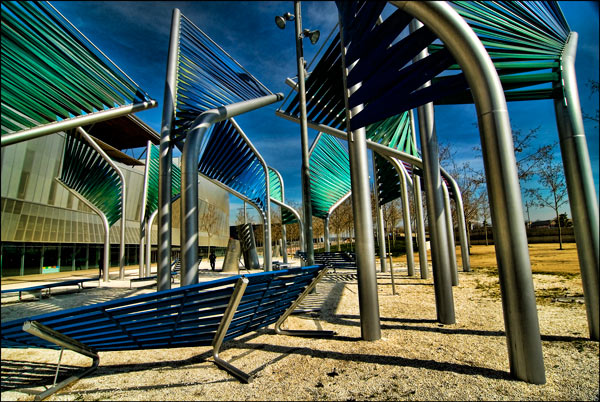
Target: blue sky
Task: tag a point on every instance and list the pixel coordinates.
(135, 36)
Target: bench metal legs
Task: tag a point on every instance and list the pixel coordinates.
(50, 335)
(234, 302)
(286, 314)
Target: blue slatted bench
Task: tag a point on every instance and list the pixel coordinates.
(204, 314)
(40, 288)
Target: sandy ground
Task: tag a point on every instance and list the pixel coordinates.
(415, 359)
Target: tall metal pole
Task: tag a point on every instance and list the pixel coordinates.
(361, 206)
(326, 230)
(580, 182)
(166, 161)
(419, 208)
(460, 217)
(306, 200)
(149, 242)
(512, 254)
(379, 215)
(442, 282)
(450, 236)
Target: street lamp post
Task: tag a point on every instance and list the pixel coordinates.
(306, 201)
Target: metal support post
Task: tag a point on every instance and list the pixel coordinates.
(306, 200)
(189, 179)
(143, 216)
(580, 182)
(379, 215)
(410, 257)
(512, 254)
(442, 282)
(421, 238)
(283, 230)
(460, 217)
(106, 251)
(149, 243)
(450, 236)
(326, 230)
(163, 265)
(361, 207)
(104, 156)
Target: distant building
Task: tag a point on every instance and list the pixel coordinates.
(47, 229)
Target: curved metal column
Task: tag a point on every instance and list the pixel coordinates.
(283, 231)
(460, 217)
(410, 257)
(421, 237)
(580, 182)
(163, 264)
(370, 324)
(123, 198)
(143, 232)
(267, 251)
(189, 178)
(450, 236)
(516, 282)
(379, 216)
(300, 223)
(149, 243)
(106, 251)
(442, 281)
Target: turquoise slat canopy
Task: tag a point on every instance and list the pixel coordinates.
(329, 174)
(207, 77)
(86, 172)
(51, 72)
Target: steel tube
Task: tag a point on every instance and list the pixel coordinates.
(418, 201)
(106, 251)
(410, 257)
(74, 122)
(379, 216)
(440, 262)
(306, 199)
(361, 207)
(163, 265)
(516, 282)
(283, 231)
(267, 251)
(189, 178)
(450, 236)
(149, 243)
(326, 230)
(460, 218)
(104, 156)
(297, 215)
(143, 210)
(580, 182)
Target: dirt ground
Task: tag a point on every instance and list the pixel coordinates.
(416, 358)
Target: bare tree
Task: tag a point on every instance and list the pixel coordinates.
(340, 219)
(553, 193)
(209, 221)
(593, 85)
(391, 217)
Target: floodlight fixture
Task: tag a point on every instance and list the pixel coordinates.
(280, 20)
(312, 35)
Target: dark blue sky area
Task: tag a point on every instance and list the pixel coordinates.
(135, 36)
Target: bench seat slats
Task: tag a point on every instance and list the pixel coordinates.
(180, 317)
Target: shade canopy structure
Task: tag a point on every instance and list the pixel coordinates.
(54, 78)
(204, 85)
(385, 71)
(329, 174)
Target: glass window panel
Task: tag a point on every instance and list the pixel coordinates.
(114, 255)
(11, 260)
(33, 259)
(80, 256)
(66, 257)
(50, 256)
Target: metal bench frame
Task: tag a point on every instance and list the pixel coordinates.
(49, 286)
(48, 334)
